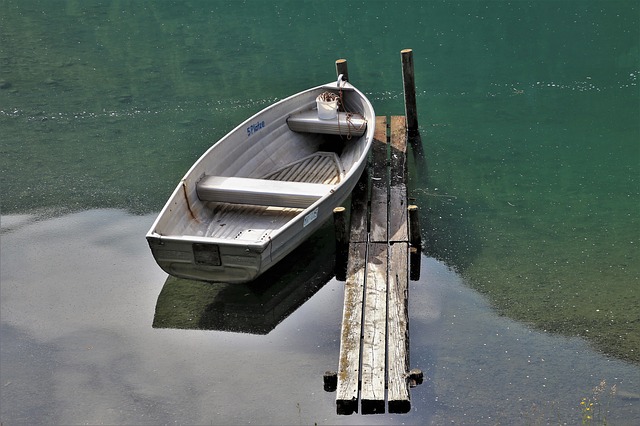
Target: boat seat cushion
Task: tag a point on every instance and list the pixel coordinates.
(262, 192)
(345, 124)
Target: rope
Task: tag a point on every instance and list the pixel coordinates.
(351, 125)
(350, 115)
(332, 97)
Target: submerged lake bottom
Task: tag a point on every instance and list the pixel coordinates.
(82, 342)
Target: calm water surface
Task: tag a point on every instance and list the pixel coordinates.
(529, 189)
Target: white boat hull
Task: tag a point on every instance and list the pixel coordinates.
(260, 191)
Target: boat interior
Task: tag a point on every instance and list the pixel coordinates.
(262, 212)
(250, 190)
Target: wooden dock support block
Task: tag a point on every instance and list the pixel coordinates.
(398, 330)
(414, 227)
(374, 331)
(415, 260)
(330, 380)
(342, 242)
(340, 225)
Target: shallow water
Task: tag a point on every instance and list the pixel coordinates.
(81, 343)
(529, 192)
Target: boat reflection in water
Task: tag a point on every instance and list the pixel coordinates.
(256, 307)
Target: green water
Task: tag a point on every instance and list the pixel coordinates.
(541, 212)
(529, 115)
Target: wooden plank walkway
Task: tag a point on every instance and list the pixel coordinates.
(374, 349)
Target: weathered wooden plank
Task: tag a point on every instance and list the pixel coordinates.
(398, 133)
(379, 215)
(379, 152)
(379, 183)
(351, 332)
(374, 350)
(359, 210)
(398, 220)
(398, 189)
(398, 148)
(398, 319)
(374, 331)
(381, 129)
(398, 330)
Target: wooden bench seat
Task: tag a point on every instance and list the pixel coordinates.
(261, 192)
(345, 124)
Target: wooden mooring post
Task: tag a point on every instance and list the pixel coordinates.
(341, 68)
(373, 367)
(409, 83)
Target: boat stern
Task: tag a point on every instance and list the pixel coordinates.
(206, 261)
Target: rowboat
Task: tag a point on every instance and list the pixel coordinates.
(265, 187)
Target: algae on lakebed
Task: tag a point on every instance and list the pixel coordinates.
(537, 209)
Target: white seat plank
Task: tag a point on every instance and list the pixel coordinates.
(260, 191)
